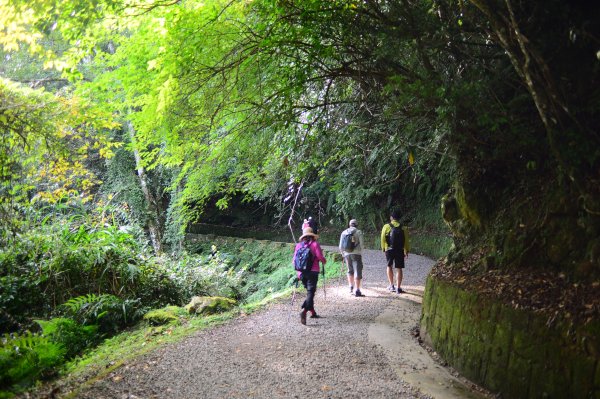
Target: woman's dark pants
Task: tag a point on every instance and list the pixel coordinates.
(309, 281)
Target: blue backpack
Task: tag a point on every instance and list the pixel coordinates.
(303, 260)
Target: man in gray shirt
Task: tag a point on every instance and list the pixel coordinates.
(351, 244)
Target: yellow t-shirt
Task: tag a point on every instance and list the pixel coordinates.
(386, 231)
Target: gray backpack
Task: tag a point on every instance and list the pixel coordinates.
(349, 241)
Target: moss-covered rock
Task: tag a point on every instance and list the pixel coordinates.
(166, 315)
(468, 204)
(450, 212)
(206, 305)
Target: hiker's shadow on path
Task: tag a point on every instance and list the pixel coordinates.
(314, 324)
(373, 296)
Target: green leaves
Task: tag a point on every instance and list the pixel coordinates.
(46, 142)
(29, 22)
(24, 357)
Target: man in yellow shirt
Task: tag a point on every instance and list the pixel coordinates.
(395, 245)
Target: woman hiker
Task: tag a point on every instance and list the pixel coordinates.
(309, 279)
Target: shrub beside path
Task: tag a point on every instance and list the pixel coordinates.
(360, 348)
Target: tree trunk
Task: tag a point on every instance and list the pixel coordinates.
(153, 210)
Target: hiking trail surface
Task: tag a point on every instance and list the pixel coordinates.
(361, 347)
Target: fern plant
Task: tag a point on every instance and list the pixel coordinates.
(107, 311)
(72, 336)
(27, 357)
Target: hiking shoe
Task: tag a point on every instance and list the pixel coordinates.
(400, 291)
(391, 288)
(358, 293)
(303, 317)
(315, 316)
(351, 289)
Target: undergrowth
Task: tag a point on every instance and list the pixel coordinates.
(62, 310)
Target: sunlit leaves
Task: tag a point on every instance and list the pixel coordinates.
(16, 20)
(28, 21)
(45, 143)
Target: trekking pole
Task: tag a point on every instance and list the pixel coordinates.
(324, 283)
(293, 299)
(341, 278)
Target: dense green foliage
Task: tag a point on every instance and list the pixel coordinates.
(76, 283)
(266, 266)
(343, 108)
(25, 358)
(107, 270)
(225, 126)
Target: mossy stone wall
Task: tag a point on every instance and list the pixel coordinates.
(515, 352)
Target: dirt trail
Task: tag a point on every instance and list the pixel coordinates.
(360, 348)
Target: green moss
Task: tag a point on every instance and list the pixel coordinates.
(524, 346)
(465, 203)
(518, 321)
(552, 347)
(166, 315)
(443, 319)
(426, 306)
(561, 375)
(472, 362)
(540, 381)
(589, 338)
(516, 384)
(597, 379)
(583, 377)
(499, 357)
(449, 208)
(483, 321)
(433, 286)
(454, 331)
(206, 305)
(511, 350)
(502, 343)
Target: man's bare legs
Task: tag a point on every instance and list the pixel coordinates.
(399, 277)
(354, 282)
(390, 276)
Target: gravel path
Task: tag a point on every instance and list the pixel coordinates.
(360, 348)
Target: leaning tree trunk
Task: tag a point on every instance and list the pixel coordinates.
(153, 220)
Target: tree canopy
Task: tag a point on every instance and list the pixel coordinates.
(358, 106)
